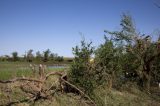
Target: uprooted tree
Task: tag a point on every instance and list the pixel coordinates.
(36, 88)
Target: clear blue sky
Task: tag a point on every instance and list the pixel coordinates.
(56, 24)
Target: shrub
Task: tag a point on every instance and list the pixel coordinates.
(80, 73)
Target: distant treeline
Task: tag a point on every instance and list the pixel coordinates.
(45, 56)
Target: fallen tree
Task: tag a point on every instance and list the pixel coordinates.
(35, 88)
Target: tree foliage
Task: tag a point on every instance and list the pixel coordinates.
(38, 56)
(46, 55)
(124, 56)
(15, 56)
(80, 72)
(139, 52)
(30, 55)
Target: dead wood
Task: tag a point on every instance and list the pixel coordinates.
(37, 90)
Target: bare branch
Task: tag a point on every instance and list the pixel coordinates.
(41, 93)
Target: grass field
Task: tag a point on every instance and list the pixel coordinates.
(9, 70)
(130, 97)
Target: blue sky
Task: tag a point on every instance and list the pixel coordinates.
(57, 24)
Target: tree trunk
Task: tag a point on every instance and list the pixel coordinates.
(110, 84)
(147, 77)
(111, 81)
(146, 84)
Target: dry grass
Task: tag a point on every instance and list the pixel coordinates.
(129, 96)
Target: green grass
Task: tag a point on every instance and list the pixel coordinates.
(129, 96)
(9, 70)
(113, 97)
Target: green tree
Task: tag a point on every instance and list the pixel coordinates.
(46, 55)
(127, 33)
(30, 55)
(15, 56)
(80, 73)
(38, 56)
(146, 53)
(111, 55)
(107, 63)
(139, 52)
(52, 56)
(59, 58)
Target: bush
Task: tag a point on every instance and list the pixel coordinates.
(80, 73)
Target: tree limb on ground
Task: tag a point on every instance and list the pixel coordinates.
(42, 93)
